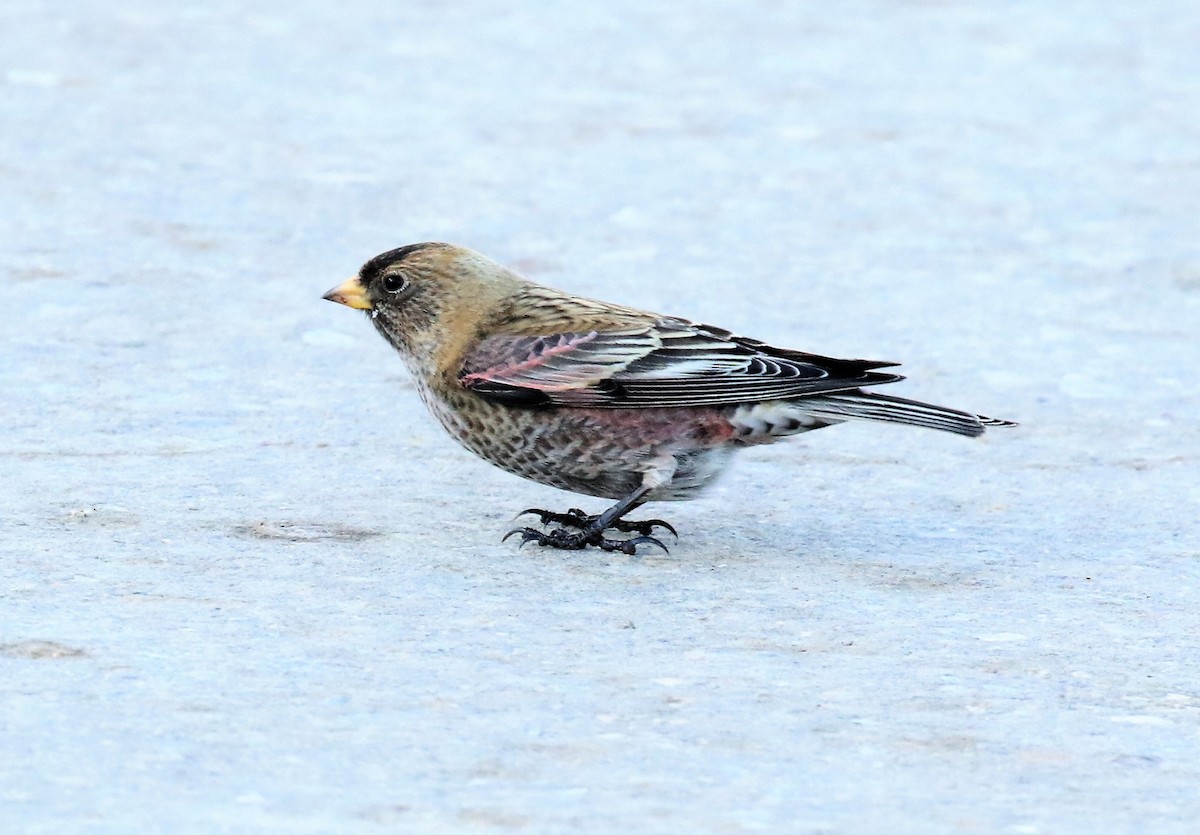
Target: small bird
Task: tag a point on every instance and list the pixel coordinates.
(601, 399)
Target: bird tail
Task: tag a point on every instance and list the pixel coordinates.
(861, 405)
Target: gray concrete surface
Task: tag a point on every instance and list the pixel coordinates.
(249, 586)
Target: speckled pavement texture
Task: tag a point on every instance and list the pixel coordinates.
(248, 585)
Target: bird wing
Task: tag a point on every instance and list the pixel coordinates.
(669, 362)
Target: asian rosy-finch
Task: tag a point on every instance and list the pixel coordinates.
(602, 399)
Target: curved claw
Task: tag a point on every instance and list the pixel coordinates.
(645, 527)
(650, 540)
(664, 525)
(537, 511)
(527, 535)
(629, 546)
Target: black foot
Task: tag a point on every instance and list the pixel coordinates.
(576, 518)
(575, 540)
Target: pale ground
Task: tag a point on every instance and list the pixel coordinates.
(248, 585)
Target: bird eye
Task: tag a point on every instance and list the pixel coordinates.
(394, 283)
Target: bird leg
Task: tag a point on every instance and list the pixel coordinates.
(589, 530)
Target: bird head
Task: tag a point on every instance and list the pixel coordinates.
(425, 298)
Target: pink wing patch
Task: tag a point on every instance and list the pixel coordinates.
(557, 362)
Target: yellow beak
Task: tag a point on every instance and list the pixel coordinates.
(350, 293)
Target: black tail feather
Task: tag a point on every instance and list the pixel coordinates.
(861, 405)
